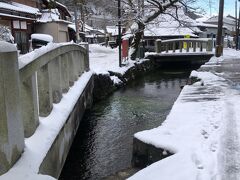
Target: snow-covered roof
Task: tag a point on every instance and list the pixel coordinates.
(51, 15)
(165, 25)
(229, 23)
(112, 30)
(172, 31)
(20, 8)
(87, 28)
(201, 24)
(202, 19)
(14, 16)
(64, 7)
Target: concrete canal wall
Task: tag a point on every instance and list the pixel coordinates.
(56, 156)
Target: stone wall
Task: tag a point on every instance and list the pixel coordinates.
(146, 154)
(105, 86)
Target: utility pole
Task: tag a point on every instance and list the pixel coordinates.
(237, 30)
(82, 3)
(219, 46)
(76, 23)
(236, 24)
(119, 33)
(210, 7)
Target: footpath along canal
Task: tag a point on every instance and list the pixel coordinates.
(103, 144)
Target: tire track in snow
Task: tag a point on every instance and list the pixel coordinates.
(230, 151)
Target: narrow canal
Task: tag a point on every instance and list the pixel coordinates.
(103, 144)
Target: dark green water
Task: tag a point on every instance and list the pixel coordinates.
(103, 144)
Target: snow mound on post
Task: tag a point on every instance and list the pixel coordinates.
(43, 37)
(7, 47)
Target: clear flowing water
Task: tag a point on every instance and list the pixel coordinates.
(103, 144)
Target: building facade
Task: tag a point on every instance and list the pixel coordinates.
(24, 17)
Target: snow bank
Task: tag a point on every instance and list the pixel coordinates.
(202, 130)
(7, 47)
(191, 130)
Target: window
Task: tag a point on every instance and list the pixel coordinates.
(20, 25)
(16, 25)
(23, 25)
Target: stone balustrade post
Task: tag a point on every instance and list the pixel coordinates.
(56, 81)
(167, 47)
(180, 46)
(71, 69)
(44, 91)
(29, 105)
(86, 60)
(174, 47)
(86, 56)
(194, 46)
(158, 46)
(81, 60)
(64, 73)
(11, 125)
(201, 46)
(76, 65)
(188, 45)
(209, 45)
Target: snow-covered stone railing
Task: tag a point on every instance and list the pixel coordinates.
(30, 91)
(184, 43)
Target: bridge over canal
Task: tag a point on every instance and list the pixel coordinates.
(187, 50)
(43, 96)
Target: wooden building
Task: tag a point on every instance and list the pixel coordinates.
(23, 18)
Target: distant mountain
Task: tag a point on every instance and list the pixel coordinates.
(98, 13)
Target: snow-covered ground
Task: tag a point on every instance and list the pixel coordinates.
(202, 130)
(104, 59)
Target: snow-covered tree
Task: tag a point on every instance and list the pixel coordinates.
(136, 14)
(142, 12)
(5, 34)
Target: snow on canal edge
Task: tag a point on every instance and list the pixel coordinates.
(202, 130)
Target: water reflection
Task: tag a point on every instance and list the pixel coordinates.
(103, 144)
